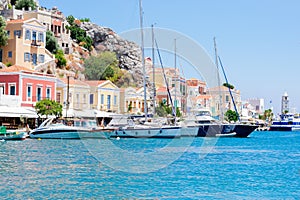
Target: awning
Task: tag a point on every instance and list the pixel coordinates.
(7, 111)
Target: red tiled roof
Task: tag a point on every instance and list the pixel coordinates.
(95, 82)
(16, 68)
(15, 21)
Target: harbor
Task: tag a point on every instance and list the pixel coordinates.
(149, 100)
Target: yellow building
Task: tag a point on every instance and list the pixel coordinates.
(26, 44)
(104, 95)
(77, 103)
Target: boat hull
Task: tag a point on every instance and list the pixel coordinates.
(223, 130)
(13, 136)
(284, 128)
(164, 132)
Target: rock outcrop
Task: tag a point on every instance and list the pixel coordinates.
(128, 53)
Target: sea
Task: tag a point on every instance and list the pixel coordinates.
(266, 165)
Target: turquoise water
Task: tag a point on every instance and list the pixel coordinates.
(264, 166)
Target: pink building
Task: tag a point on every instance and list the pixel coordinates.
(26, 86)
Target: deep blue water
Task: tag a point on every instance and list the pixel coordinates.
(264, 166)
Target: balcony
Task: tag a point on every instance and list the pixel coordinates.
(35, 43)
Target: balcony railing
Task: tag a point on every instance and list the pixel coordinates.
(35, 43)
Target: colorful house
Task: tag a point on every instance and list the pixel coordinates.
(74, 96)
(105, 95)
(29, 86)
(26, 44)
(20, 89)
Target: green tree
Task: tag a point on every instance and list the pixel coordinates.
(51, 42)
(79, 34)
(3, 32)
(231, 115)
(102, 67)
(26, 4)
(60, 59)
(13, 2)
(48, 107)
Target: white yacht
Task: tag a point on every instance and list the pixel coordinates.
(50, 129)
(287, 122)
(125, 127)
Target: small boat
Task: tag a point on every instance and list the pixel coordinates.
(287, 122)
(12, 134)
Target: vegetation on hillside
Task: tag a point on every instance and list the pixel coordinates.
(54, 48)
(19, 4)
(51, 42)
(3, 32)
(78, 34)
(60, 59)
(48, 107)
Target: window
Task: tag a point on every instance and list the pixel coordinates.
(102, 99)
(2, 89)
(39, 93)
(58, 96)
(29, 89)
(91, 98)
(17, 33)
(41, 37)
(108, 101)
(34, 35)
(34, 59)
(10, 54)
(28, 35)
(27, 57)
(84, 98)
(115, 100)
(12, 89)
(8, 34)
(77, 100)
(48, 93)
(227, 98)
(41, 58)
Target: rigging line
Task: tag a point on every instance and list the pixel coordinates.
(229, 89)
(165, 78)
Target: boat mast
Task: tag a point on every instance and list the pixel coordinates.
(153, 70)
(143, 59)
(175, 60)
(219, 81)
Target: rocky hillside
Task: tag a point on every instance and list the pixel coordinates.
(128, 53)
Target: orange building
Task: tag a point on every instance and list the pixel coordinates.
(26, 44)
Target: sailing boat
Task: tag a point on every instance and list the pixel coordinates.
(145, 130)
(206, 126)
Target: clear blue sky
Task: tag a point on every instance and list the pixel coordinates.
(258, 40)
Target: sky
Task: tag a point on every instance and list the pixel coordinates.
(258, 41)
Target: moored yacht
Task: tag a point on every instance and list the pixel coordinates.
(125, 127)
(202, 124)
(52, 129)
(287, 122)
